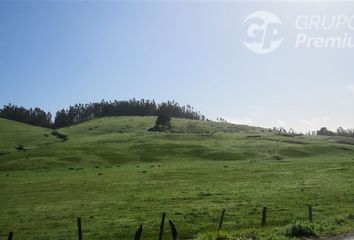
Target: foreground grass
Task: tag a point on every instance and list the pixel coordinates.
(113, 201)
(116, 175)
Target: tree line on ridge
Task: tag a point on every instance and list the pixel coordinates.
(79, 113)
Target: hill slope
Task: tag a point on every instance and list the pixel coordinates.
(117, 175)
(14, 133)
(119, 140)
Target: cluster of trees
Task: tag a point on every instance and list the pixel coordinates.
(345, 132)
(35, 116)
(325, 132)
(340, 132)
(284, 132)
(83, 112)
(322, 132)
(220, 119)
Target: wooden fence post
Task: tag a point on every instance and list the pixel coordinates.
(11, 234)
(173, 230)
(79, 230)
(138, 233)
(221, 219)
(310, 213)
(264, 216)
(162, 226)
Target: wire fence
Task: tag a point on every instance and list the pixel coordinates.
(252, 217)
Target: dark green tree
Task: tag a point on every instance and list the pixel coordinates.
(162, 124)
(325, 132)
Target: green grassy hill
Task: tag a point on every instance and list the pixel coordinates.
(14, 133)
(119, 140)
(115, 175)
(109, 141)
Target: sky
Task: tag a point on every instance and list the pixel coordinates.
(57, 53)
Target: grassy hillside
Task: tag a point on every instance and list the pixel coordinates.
(110, 141)
(115, 175)
(14, 133)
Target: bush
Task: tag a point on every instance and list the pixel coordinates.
(20, 147)
(340, 220)
(59, 135)
(277, 157)
(2, 153)
(300, 229)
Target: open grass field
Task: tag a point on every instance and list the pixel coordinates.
(116, 175)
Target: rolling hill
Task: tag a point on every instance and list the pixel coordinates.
(116, 174)
(119, 140)
(111, 141)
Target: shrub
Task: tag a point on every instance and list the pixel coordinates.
(300, 229)
(20, 147)
(59, 135)
(2, 153)
(340, 220)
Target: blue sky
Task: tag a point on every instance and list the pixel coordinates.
(53, 54)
